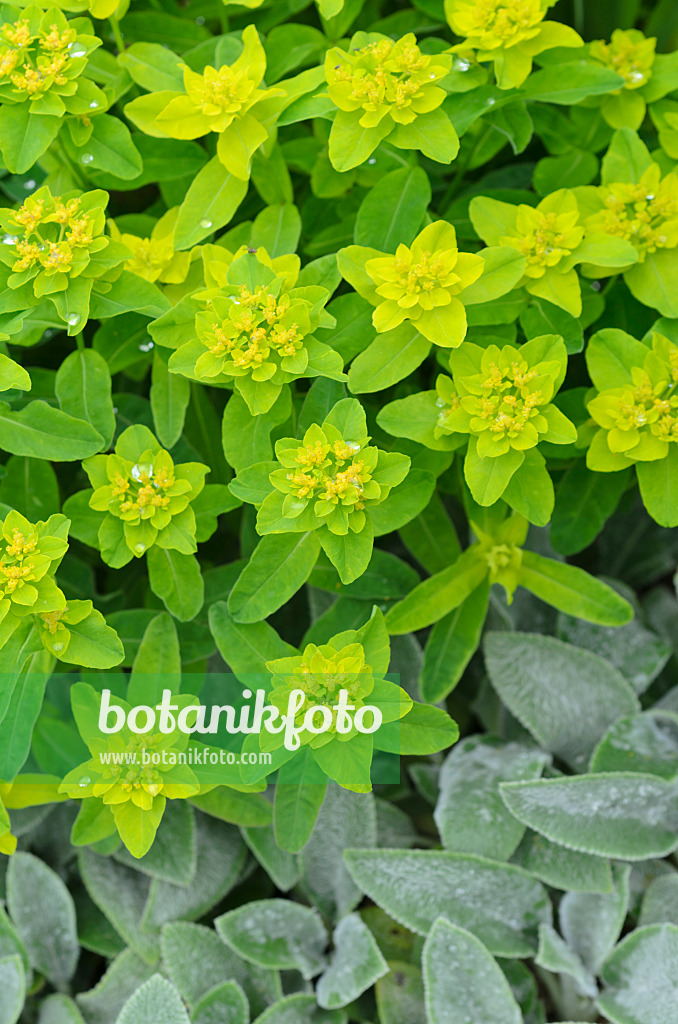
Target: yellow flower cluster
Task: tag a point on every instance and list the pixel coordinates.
(629, 54)
(644, 214)
(544, 238)
(386, 78)
(489, 24)
(323, 473)
(33, 63)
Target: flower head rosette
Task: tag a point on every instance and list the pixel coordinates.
(386, 89)
(29, 556)
(423, 283)
(55, 248)
(42, 56)
(77, 633)
(636, 417)
(648, 76)
(143, 498)
(342, 752)
(130, 786)
(505, 405)
(329, 480)
(154, 257)
(254, 328)
(509, 33)
(553, 238)
(226, 100)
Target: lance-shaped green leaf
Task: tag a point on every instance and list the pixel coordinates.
(279, 566)
(572, 590)
(43, 432)
(438, 595)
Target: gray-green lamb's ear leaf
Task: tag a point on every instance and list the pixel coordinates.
(43, 912)
(463, 981)
(561, 868)
(58, 1009)
(281, 867)
(356, 964)
(197, 961)
(660, 902)
(345, 819)
(640, 977)
(124, 976)
(227, 1003)
(276, 933)
(640, 743)
(156, 1000)
(546, 684)
(173, 856)
(555, 955)
(13, 988)
(591, 923)
(300, 1009)
(121, 894)
(470, 814)
(499, 903)
(623, 815)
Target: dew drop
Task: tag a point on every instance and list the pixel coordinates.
(30, 184)
(58, 646)
(200, 20)
(73, 319)
(9, 239)
(140, 548)
(145, 346)
(84, 781)
(372, 160)
(94, 104)
(205, 224)
(596, 286)
(491, 102)
(86, 158)
(75, 50)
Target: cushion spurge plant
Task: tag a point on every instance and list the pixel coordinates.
(338, 373)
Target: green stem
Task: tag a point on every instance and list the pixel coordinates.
(117, 34)
(80, 341)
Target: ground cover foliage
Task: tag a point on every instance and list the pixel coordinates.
(339, 343)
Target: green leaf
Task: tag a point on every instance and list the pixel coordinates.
(356, 964)
(453, 641)
(453, 962)
(43, 912)
(24, 136)
(504, 267)
(405, 501)
(245, 647)
(172, 858)
(276, 229)
(212, 198)
(279, 566)
(12, 375)
(470, 814)
(176, 579)
(129, 293)
(349, 553)
(658, 482)
(276, 933)
(40, 431)
(570, 83)
(643, 958)
(424, 729)
(170, 395)
(652, 281)
(438, 595)
(393, 210)
(627, 158)
(390, 357)
(157, 999)
(431, 537)
(298, 801)
(500, 904)
(18, 721)
(546, 685)
(488, 478)
(569, 589)
(153, 67)
(30, 486)
(584, 502)
(111, 148)
(83, 388)
(623, 815)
